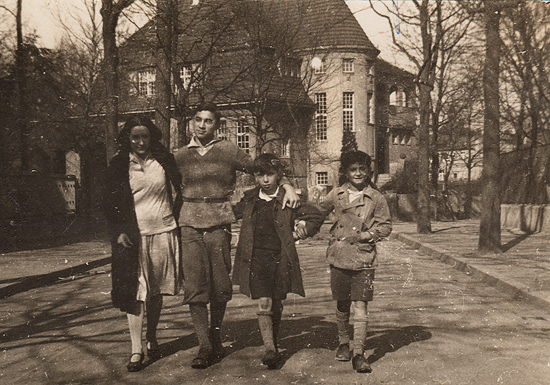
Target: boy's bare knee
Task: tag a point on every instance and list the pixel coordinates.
(360, 308)
(265, 304)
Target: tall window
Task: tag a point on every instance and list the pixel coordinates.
(223, 131)
(321, 116)
(146, 82)
(347, 66)
(348, 111)
(285, 150)
(243, 135)
(370, 107)
(321, 178)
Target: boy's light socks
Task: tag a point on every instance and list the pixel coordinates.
(359, 336)
(342, 323)
(265, 322)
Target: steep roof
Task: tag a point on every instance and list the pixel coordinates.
(323, 24)
(229, 36)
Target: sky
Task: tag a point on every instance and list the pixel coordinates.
(40, 15)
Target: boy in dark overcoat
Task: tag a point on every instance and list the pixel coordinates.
(266, 264)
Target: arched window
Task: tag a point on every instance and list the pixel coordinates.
(394, 100)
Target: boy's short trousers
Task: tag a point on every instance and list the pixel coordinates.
(264, 275)
(354, 285)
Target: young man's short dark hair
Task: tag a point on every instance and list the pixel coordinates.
(268, 163)
(212, 107)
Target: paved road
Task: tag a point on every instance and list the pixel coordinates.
(430, 324)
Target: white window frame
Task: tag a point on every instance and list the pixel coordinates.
(348, 102)
(370, 107)
(146, 82)
(321, 178)
(321, 69)
(223, 130)
(348, 65)
(243, 135)
(285, 148)
(321, 117)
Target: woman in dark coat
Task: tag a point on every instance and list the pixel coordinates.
(141, 204)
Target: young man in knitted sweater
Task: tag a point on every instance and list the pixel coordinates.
(209, 168)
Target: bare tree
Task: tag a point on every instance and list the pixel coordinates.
(110, 13)
(441, 27)
(489, 231)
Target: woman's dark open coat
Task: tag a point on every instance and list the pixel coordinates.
(289, 266)
(118, 207)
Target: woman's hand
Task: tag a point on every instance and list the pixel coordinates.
(124, 240)
(290, 199)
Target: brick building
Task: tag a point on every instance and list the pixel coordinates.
(289, 76)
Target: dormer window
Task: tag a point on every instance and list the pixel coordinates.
(348, 65)
(289, 67)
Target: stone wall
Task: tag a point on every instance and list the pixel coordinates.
(525, 217)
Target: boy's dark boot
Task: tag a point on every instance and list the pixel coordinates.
(199, 316)
(265, 322)
(359, 362)
(343, 352)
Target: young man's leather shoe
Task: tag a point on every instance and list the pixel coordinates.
(360, 364)
(202, 360)
(343, 353)
(271, 359)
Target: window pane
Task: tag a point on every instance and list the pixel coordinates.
(322, 178)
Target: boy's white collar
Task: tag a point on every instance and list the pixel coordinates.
(268, 197)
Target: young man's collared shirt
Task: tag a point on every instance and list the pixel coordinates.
(202, 149)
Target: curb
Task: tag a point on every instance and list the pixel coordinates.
(515, 289)
(48, 279)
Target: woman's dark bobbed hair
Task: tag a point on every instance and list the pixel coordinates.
(123, 138)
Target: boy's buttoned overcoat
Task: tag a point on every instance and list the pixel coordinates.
(369, 212)
(289, 266)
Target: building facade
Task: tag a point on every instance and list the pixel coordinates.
(289, 77)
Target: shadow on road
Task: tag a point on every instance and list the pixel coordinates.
(390, 340)
(302, 334)
(42, 280)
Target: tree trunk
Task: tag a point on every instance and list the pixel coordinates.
(489, 232)
(423, 223)
(110, 13)
(163, 101)
(20, 109)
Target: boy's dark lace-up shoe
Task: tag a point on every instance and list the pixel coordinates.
(343, 353)
(271, 359)
(360, 364)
